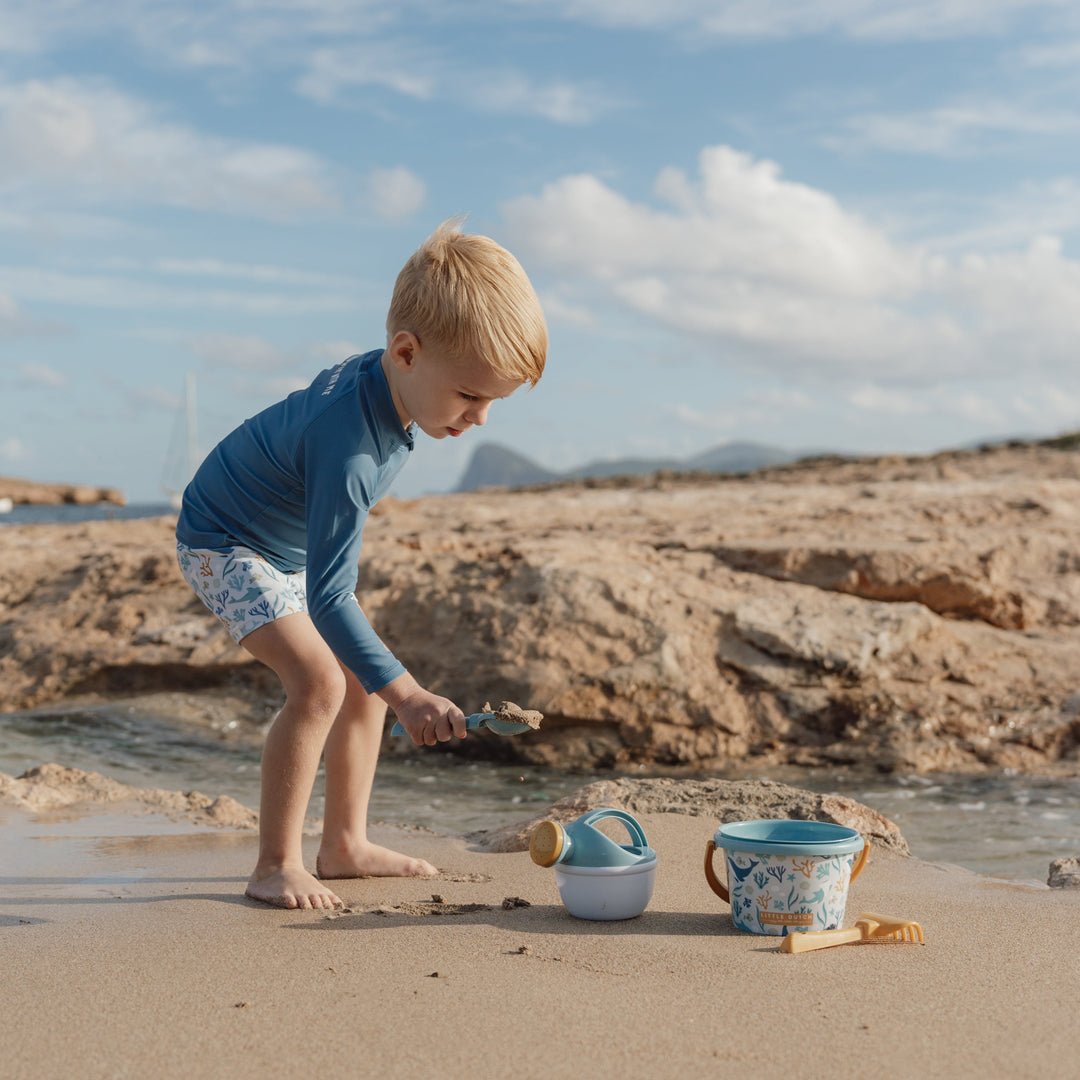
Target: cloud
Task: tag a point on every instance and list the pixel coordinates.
(42, 375)
(266, 391)
(396, 194)
(281, 387)
(890, 400)
(375, 42)
(406, 70)
(1043, 404)
(900, 20)
(941, 401)
(1062, 54)
(252, 354)
(874, 19)
(787, 399)
(740, 218)
(15, 324)
(1009, 221)
(259, 273)
(332, 352)
(558, 309)
(88, 139)
(10, 317)
(13, 450)
(183, 33)
(423, 73)
(954, 130)
(135, 291)
(767, 273)
(697, 418)
(142, 398)
(1024, 304)
(560, 101)
(246, 352)
(22, 31)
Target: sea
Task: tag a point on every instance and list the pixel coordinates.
(35, 514)
(1005, 824)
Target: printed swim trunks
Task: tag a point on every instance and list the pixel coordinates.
(241, 588)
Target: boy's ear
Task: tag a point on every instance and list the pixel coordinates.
(403, 349)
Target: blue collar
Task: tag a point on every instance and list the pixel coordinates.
(382, 401)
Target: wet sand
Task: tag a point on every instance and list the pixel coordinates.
(129, 950)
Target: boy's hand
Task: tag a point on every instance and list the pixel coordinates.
(427, 717)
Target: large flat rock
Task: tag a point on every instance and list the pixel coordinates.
(917, 614)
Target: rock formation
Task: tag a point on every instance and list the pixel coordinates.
(915, 614)
(719, 800)
(1064, 874)
(40, 494)
(53, 787)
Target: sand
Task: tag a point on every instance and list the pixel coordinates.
(511, 713)
(129, 950)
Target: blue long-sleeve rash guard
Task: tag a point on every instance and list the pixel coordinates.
(295, 483)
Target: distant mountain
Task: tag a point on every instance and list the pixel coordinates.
(493, 465)
(741, 457)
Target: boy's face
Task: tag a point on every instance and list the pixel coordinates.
(444, 395)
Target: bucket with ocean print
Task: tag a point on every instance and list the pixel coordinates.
(785, 876)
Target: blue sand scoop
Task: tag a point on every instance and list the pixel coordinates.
(481, 720)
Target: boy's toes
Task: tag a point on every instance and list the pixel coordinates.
(292, 889)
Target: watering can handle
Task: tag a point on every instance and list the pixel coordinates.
(710, 874)
(721, 890)
(637, 835)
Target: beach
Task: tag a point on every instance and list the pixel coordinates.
(130, 951)
(793, 635)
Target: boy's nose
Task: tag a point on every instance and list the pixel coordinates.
(478, 414)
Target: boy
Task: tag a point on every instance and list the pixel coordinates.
(269, 536)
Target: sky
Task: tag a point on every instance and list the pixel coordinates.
(823, 225)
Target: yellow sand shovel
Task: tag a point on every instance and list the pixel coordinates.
(867, 927)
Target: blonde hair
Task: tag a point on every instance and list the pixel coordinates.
(471, 297)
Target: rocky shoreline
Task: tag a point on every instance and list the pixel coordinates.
(32, 493)
(50, 787)
(914, 614)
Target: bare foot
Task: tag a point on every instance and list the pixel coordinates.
(370, 860)
(291, 887)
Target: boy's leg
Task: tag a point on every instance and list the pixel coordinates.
(314, 692)
(352, 750)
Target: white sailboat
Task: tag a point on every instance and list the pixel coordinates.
(183, 457)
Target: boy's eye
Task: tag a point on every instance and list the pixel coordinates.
(470, 397)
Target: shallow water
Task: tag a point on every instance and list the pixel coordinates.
(1007, 826)
(1004, 824)
(66, 513)
(436, 790)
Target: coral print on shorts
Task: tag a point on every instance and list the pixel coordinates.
(241, 588)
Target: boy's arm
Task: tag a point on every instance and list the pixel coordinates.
(427, 717)
(342, 480)
(338, 496)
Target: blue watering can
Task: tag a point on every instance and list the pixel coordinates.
(579, 843)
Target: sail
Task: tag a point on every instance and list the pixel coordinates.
(182, 457)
